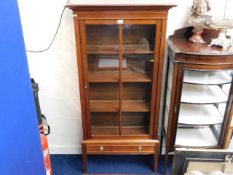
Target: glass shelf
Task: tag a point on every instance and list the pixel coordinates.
(226, 88)
(196, 137)
(192, 114)
(206, 77)
(202, 94)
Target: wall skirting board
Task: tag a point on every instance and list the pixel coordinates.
(69, 149)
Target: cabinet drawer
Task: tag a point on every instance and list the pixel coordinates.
(120, 149)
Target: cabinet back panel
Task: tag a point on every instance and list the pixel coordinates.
(104, 91)
(136, 119)
(136, 91)
(104, 119)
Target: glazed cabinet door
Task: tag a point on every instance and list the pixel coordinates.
(202, 106)
(140, 46)
(100, 48)
(120, 59)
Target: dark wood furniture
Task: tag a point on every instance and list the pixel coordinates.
(120, 52)
(199, 93)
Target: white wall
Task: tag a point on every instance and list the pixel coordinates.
(56, 69)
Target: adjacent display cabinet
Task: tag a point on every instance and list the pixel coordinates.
(199, 94)
(120, 50)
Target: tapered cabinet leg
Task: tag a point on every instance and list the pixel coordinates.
(156, 159)
(84, 157)
(166, 161)
(156, 163)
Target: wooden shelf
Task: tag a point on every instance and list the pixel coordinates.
(102, 49)
(135, 106)
(202, 94)
(103, 76)
(199, 115)
(196, 137)
(137, 49)
(104, 105)
(207, 78)
(114, 49)
(136, 77)
(107, 76)
(115, 130)
(113, 106)
(105, 130)
(135, 130)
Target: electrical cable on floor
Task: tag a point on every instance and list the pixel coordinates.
(54, 37)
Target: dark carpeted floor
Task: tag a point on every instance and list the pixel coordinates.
(102, 164)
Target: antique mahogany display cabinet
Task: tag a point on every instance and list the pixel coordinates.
(199, 95)
(120, 51)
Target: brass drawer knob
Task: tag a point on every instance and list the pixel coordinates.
(101, 148)
(140, 148)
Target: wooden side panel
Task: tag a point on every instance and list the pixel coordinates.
(80, 75)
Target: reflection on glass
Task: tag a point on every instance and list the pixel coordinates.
(102, 39)
(103, 76)
(139, 38)
(137, 67)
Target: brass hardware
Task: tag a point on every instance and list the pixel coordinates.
(101, 148)
(75, 15)
(140, 148)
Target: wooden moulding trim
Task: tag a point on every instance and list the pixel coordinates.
(122, 137)
(124, 14)
(120, 7)
(201, 59)
(121, 141)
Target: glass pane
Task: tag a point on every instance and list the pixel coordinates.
(102, 39)
(135, 123)
(104, 108)
(203, 106)
(104, 123)
(168, 93)
(137, 70)
(136, 108)
(139, 39)
(137, 67)
(103, 77)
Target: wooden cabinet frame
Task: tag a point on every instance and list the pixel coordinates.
(120, 15)
(187, 56)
